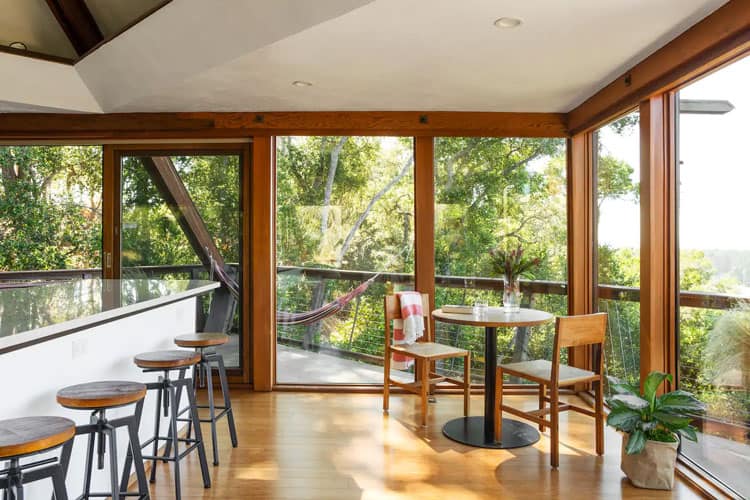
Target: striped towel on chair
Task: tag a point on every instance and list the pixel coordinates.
(408, 329)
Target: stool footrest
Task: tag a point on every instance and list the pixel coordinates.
(217, 416)
(171, 458)
(108, 495)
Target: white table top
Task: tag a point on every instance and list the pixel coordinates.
(496, 317)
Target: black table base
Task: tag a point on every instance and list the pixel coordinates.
(471, 431)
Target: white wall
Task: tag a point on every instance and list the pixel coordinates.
(31, 377)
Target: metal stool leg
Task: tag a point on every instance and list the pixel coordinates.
(198, 434)
(157, 421)
(227, 399)
(211, 410)
(168, 446)
(175, 439)
(89, 466)
(113, 474)
(58, 484)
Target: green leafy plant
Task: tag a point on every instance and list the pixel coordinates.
(650, 417)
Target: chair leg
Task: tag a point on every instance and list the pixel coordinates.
(499, 405)
(555, 427)
(113, 473)
(58, 484)
(599, 410)
(467, 384)
(227, 400)
(386, 380)
(542, 401)
(212, 411)
(172, 395)
(425, 376)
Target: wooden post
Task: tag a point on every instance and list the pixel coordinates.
(658, 236)
(581, 261)
(111, 200)
(424, 218)
(263, 263)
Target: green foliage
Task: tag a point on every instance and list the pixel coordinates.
(50, 207)
(648, 416)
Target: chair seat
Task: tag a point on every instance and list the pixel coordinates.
(27, 435)
(101, 395)
(429, 350)
(540, 370)
(167, 360)
(201, 339)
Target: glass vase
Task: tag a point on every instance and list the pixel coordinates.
(512, 295)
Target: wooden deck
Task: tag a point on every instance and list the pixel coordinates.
(342, 446)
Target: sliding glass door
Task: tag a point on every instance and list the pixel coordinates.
(181, 218)
(714, 269)
(345, 232)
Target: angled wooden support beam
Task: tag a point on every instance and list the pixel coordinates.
(78, 23)
(167, 180)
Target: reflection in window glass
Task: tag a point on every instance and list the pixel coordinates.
(714, 328)
(618, 243)
(345, 213)
(490, 193)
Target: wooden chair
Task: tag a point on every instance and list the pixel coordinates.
(424, 352)
(570, 331)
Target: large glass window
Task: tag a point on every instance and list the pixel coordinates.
(50, 208)
(345, 214)
(714, 268)
(173, 225)
(499, 193)
(617, 158)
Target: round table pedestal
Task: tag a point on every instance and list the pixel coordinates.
(470, 431)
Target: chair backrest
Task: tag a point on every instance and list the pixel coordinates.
(392, 310)
(581, 330)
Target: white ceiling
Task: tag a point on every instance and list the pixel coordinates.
(237, 55)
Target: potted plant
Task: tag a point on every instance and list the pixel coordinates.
(652, 426)
(511, 265)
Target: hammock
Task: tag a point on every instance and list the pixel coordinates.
(299, 318)
(309, 317)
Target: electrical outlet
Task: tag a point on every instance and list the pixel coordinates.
(80, 347)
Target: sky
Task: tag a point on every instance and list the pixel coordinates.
(714, 151)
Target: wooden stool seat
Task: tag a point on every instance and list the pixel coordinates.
(27, 435)
(201, 339)
(167, 360)
(98, 395)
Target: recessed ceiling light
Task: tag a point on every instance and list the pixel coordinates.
(301, 83)
(508, 22)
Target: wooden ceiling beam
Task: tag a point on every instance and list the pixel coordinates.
(78, 23)
(41, 126)
(722, 36)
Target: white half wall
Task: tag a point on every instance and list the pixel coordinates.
(30, 378)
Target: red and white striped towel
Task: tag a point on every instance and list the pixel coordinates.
(409, 328)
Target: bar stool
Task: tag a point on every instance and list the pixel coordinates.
(27, 436)
(201, 342)
(167, 398)
(98, 397)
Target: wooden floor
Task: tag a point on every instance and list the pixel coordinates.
(334, 446)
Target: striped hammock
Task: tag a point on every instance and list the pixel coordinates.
(309, 317)
(298, 318)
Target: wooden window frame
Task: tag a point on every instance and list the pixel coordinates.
(112, 212)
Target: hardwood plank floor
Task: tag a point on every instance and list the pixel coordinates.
(342, 446)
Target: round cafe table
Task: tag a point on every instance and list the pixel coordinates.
(480, 431)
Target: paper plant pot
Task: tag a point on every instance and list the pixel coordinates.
(653, 467)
